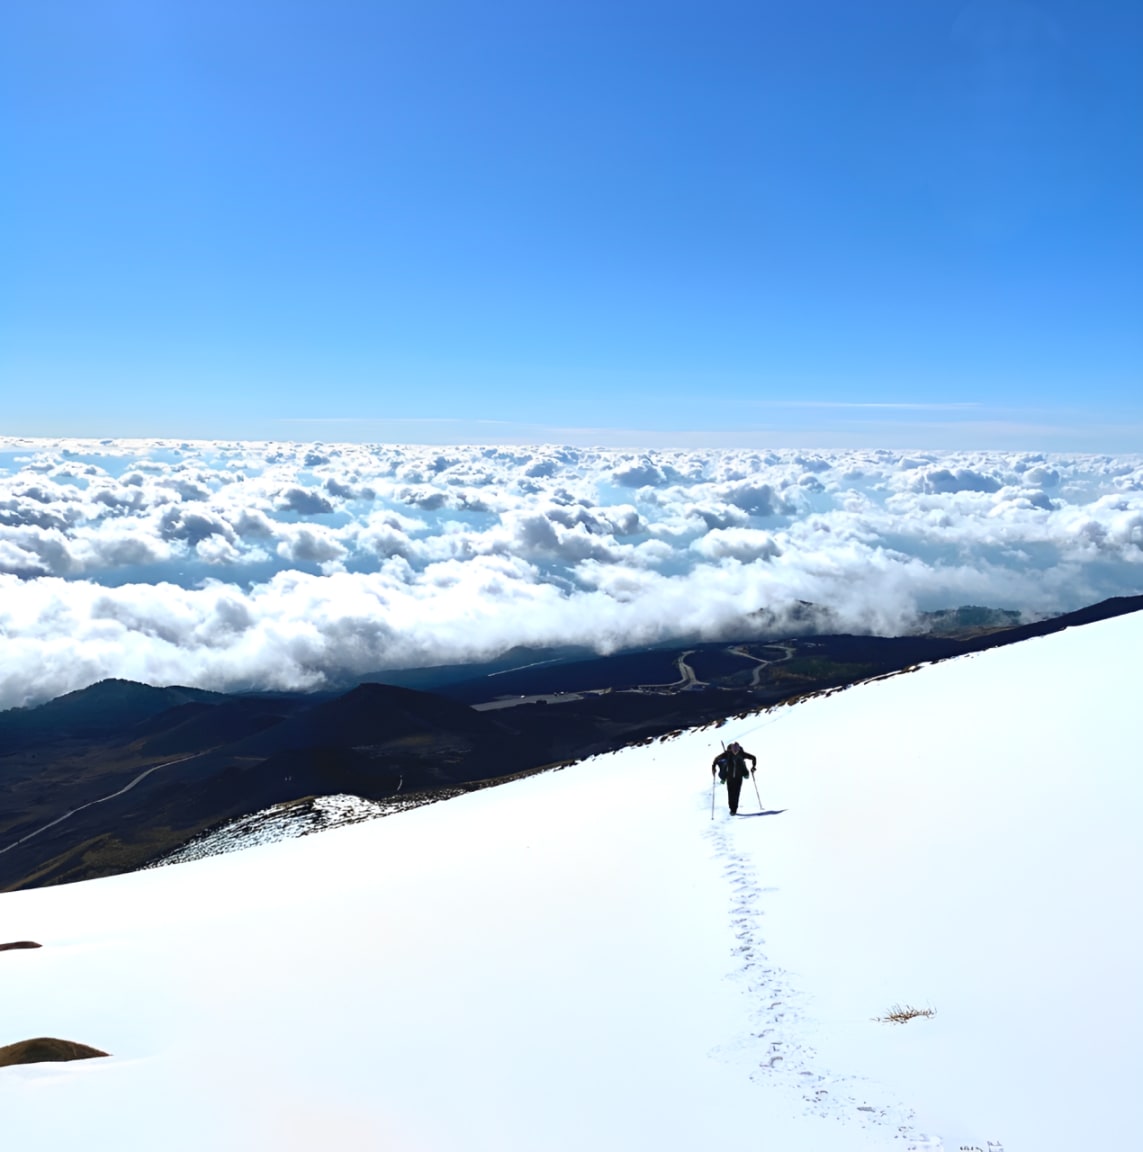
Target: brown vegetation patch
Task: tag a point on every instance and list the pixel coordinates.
(19, 944)
(44, 1048)
(903, 1013)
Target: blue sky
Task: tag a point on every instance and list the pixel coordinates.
(821, 224)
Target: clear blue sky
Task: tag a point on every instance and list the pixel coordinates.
(723, 221)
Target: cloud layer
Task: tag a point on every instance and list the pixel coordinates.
(242, 565)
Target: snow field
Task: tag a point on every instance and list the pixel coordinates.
(584, 959)
(966, 837)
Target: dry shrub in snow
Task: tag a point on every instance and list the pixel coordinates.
(902, 1013)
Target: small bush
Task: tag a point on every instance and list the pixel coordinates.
(902, 1013)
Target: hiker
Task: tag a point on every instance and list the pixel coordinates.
(731, 767)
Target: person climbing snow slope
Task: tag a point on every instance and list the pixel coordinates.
(731, 767)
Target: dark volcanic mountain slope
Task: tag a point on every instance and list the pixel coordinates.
(370, 714)
(371, 741)
(195, 727)
(1104, 610)
(126, 801)
(108, 708)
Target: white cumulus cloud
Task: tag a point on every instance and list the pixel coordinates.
(234, 565)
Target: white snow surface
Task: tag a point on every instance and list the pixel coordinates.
(584, 959)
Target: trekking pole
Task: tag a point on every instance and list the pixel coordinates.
(723, 743)
(755, 783)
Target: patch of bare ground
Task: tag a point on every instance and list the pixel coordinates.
(45, 1048)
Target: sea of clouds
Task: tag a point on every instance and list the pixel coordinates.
(238, 566)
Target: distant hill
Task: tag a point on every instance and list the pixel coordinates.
(107, 707)
(970, 620)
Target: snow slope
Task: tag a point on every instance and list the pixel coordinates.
(584, 959)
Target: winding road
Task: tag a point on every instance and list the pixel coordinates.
(102, 799)
(762, 662)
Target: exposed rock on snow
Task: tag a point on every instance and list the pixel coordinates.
(279, 822)
(288, 821)
(317, 814)
(43, 1049)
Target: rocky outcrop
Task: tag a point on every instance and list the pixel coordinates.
(44, 1048)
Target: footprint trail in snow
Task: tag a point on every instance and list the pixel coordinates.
(782, 1055)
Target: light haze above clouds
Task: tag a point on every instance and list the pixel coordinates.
(234, 566)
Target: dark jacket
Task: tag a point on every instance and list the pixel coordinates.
(732, 766)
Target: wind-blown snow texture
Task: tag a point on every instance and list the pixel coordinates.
(584, 959)
(236, 566)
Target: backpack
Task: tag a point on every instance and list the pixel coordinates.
(723, 762)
